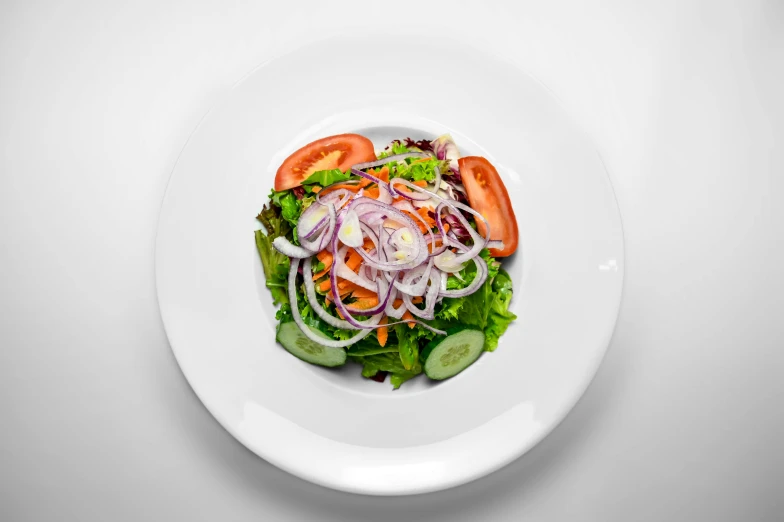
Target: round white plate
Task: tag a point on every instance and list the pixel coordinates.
(334, 427)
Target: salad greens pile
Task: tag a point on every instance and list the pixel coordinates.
(487, 309)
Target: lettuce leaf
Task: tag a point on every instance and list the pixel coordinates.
(418, 169)
(275, 264)
(486, 309)
(326, 177)
(409, 342)
(396, 147)
(499, 317)
(387, 362)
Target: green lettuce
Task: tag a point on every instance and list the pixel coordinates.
(487, 309)
(499, 317)
(387, 362)
(326, 177)
(396, 147)
(415, 169)
(275, 264)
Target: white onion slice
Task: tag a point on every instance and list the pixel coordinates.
(286, 247)
(303, 327)
(445, 261)
(348, 231)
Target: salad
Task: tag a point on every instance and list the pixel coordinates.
(389, 260)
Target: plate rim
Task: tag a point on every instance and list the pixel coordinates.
(479, 471)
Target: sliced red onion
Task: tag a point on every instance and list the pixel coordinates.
(312, 221)
(385, 290)
(303, 327)
(420, 251)
(408, 207)
(479, 241)
(286, 247)
(346, 273)
(310, 292)
(389, 159)
(407, 285)
(402, 238)
(479, 279)
(337, 197)
(367, 176)
(348, 229)
(430, 299)
(324, 238)
(390, 310)
(384, 194)
(415, 193)
(446, 262)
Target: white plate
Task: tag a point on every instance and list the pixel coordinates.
(333, 427)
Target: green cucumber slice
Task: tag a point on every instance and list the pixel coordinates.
(292, 339)
(445, 358)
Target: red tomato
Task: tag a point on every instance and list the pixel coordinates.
(334, 152)
(488, 196)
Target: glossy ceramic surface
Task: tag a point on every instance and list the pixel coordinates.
(333, 427)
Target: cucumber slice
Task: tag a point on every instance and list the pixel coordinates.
(445, 358)
(292, 339)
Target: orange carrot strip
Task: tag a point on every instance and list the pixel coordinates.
(316, 189)
(383, 332)
(408, 316)
(325, 285)
(365, 303)
(420, 183)
(354, 260)
(325, 257)
(360, 293)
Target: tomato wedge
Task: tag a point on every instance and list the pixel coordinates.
(333, 152)
(488, 196)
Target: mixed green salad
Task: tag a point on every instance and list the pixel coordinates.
(389, 260)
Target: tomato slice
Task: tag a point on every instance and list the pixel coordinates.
(333, 152)
(488, 196)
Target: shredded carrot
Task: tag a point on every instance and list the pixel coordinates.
(368, 245)
(325, 285)
(407, 316)
(383, 332)
(372, 193)
(364, 183)
(383, 174)
(316, 189)
(325, 257)
(365, 303)
(422, 227)
(360, 292)
(354, 260)
(420, 183)
(319, 275)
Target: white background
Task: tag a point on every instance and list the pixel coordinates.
(684, 99)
